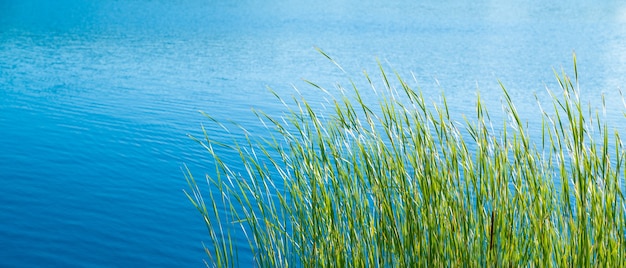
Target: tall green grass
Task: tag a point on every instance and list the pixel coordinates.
(401, 183)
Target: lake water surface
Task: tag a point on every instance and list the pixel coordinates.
(97, 97)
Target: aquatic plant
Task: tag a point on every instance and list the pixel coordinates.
(402, 184)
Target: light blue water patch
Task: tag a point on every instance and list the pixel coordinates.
(97, 97)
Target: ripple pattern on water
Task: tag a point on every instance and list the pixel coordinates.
(97, 97)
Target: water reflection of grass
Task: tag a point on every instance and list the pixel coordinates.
(403, 184)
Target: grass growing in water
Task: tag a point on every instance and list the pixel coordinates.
(403, 184)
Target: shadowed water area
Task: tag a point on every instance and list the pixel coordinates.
(97, 97)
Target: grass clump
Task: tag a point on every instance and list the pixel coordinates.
(402, 184)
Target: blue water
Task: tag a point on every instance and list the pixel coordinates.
(97, 97)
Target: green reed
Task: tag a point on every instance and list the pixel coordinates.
(401, 183)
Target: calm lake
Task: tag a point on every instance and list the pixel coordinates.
(97, 97)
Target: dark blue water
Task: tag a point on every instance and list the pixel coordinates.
(97, 97)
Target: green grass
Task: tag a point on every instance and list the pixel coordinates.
(402, 184)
